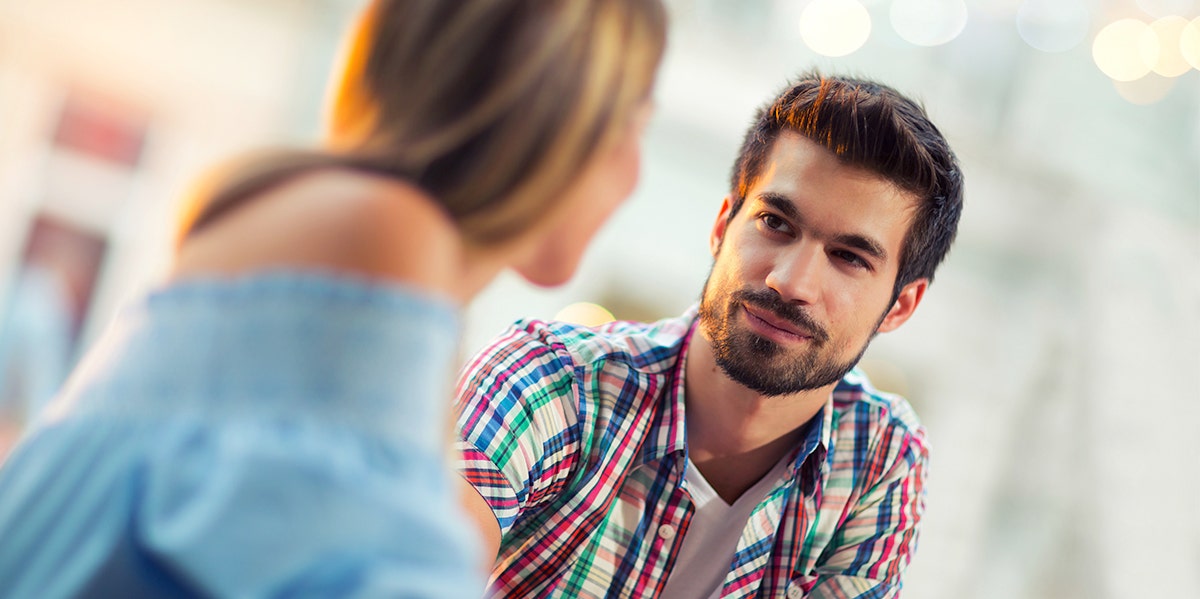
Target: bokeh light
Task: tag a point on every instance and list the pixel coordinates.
(928, 22)
(1166, 8)
(1168, 31)
(1125, 50)
(1189, 43)
(585, 313)
(1146, 90)
(996, 9)
(1052, 25)
(835, 27)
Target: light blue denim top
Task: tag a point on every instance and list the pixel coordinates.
(278, 435)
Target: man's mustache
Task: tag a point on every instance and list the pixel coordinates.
(796, 315)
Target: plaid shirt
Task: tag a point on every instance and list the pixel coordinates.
(576, 438)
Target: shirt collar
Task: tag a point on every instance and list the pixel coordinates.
(818, 438)
(668, 435)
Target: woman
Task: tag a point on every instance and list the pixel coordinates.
(272, 421)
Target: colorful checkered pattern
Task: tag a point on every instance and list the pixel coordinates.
(575, 437)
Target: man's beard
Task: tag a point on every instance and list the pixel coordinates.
(759, 363)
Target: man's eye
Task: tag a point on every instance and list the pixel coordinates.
(774, 223)
(851, 258)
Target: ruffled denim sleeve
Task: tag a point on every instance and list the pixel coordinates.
(275, 436)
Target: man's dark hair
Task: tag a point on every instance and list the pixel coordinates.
(873, 127)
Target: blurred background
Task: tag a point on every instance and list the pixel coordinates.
(1055, 361)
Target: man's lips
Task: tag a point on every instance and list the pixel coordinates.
(770, 320)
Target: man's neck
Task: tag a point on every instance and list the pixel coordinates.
(735, 434)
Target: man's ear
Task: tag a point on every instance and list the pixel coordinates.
(717, 236)
(906, 303)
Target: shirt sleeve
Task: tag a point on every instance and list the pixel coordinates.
(518, 421)
(876, 542)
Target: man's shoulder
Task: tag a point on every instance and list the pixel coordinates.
(874, 432)
(856, 395)
(649, 347)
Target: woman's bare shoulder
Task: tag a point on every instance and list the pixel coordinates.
(331, 219)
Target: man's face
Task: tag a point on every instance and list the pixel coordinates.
(804, 272)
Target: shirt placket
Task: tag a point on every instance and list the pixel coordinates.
(799, 521)
(675, 510)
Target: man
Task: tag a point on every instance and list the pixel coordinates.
(734, 451)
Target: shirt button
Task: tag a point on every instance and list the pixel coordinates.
(666, 531)
(794, 591)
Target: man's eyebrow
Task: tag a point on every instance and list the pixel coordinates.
(781, 203)
(862, 243)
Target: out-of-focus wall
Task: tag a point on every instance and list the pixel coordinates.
(202, 80)
(1054, 361)
(109, 110)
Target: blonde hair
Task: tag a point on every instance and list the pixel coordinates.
(490, 106)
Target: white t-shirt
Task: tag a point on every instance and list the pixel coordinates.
(712, 535)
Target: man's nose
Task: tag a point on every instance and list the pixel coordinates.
(798, 272)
